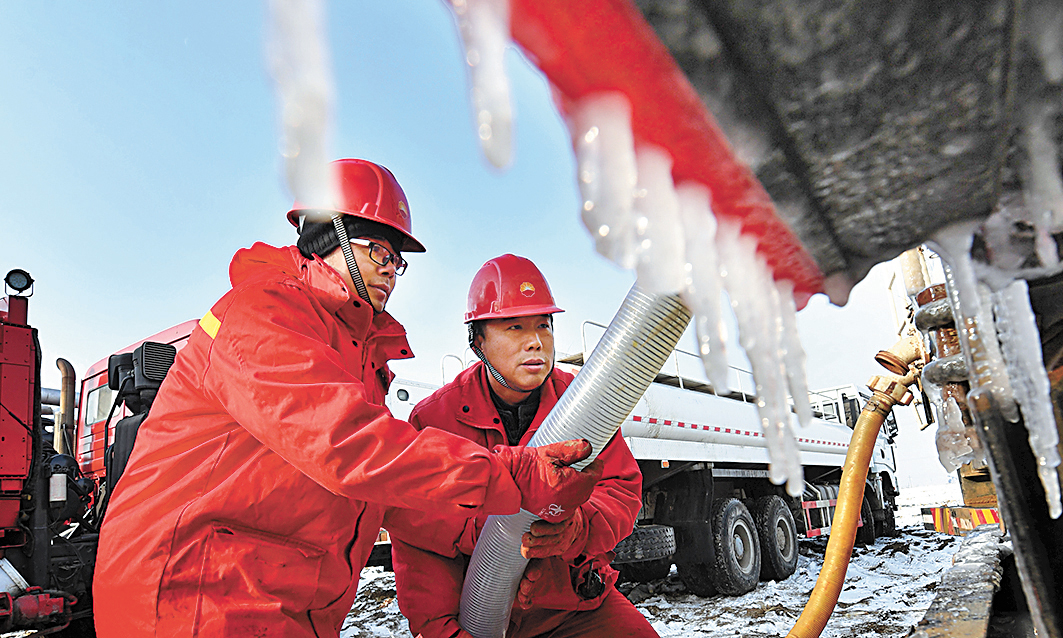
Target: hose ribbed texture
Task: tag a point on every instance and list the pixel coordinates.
(828, 586)
(624, 363)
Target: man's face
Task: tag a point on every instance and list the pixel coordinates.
(521, 349)
(379, 280)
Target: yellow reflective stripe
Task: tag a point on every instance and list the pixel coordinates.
(210, 324)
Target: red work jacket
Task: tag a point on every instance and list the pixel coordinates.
(255, 491)
(429, 582)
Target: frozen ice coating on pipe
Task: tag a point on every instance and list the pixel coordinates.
(703, 289)
(755, 301)
(951, 439)
(985, 365)
(659, 245)
(484, 28)
(1021, 344)
(299, 62)
(996, 369)
(607, 174)
(793, 352)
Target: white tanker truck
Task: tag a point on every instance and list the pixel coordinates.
(708, 505)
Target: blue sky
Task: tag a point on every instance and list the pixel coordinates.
(141, 150)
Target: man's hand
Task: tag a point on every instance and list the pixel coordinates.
(551, 539)
(549, 489)
(526, 588)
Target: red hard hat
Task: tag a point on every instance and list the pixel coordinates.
(509, 286)
(369, 191)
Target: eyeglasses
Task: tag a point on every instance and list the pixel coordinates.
(382, 256)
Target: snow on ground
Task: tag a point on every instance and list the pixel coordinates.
(887, 589)
(911, 500)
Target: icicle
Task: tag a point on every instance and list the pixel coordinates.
(658, 235)
(605, 158)
(1022, 352)
(298, 58)
(933, 392)
(1044, 26)
(951, 438)
(633, 211)
(1042, 185)
(793, 352)
(703, 289)
(755, 301)
(985, 364)
(484, 27)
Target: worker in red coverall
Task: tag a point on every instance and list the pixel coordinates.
(568, 586)
(258, 483)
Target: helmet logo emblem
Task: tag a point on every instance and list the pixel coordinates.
(527, 289)
(402, 210)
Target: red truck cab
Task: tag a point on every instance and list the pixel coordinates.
(97, 398)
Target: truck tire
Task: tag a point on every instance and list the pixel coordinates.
(646, 543)
(865, 534)
(889, 522)
(778, 538)
(645, 571)
(737, 545)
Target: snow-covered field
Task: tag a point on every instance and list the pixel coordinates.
(911, 500)
(887, 589)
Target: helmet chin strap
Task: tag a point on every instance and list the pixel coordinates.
(490, 368)
(352, 265)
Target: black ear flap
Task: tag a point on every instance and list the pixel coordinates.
(319, 239)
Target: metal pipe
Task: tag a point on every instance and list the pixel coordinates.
(443, 366)
(65, 424)
(50, 396)
(913, 267)
(626, 360)
(946, 370)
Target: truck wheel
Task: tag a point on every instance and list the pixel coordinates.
(865, 534)
(889, 522)
(646, 542)
(778, 538)
(737, 546)
(647, 570)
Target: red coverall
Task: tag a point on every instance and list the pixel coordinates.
(429, 582)
(254, 493)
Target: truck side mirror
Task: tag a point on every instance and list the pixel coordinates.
(136, 376)
(119, 368)
(852, 411)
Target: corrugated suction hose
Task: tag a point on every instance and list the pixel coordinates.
(636, 345)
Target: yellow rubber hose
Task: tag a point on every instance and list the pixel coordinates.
(843, 527)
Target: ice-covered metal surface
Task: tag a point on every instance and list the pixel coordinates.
(964, 599)
(873, 124)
